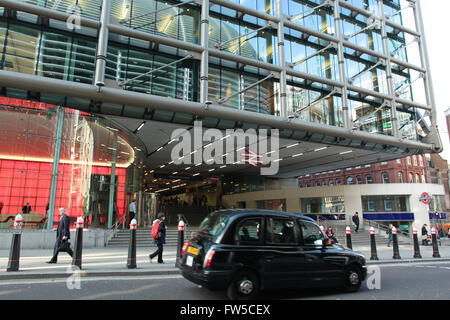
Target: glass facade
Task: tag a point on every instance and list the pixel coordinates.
(325, 205)
(87, 147)
(315, 34)
(385, 203)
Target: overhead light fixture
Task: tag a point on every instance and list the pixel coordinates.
(197, 174)
(292, 145)
(187, 168)
(140, 127)
(159, 149)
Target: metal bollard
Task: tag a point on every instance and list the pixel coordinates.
(435, 244)
(131, 262)
(416, 245)
(348, 232)
(373, 245)
(181, 226)
(395, 244)
(78, 249)
(14, 252)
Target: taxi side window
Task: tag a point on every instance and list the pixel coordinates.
(311, 233)
(249, 231)
(281, 231)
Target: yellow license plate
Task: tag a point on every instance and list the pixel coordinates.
(193, 251)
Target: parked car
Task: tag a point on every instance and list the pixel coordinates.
(245, 251)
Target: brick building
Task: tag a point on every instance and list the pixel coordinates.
(412, 169)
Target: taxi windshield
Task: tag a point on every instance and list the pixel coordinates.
(214, 224)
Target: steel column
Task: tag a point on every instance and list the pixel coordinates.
(341, 61)
(112, 181)
(56, 155)
(102, 46)
(389, 76)
(282, 61)
(204, 41)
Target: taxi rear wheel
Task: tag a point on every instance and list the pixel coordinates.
(244, 286)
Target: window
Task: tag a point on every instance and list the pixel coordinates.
(349, 180)
(423, 179)
(400, 177)
(409, 160)
(324, 183)
(281, 231)
(369, 179)
(417, 178)
(421, 161)
(338, 182)
(385, 177)
(411, 178)
(331, 183)
(248, 231)
(415, 160)
(317, 183)
(388, 205)
(311, 233)
(399, 161)
(370, 205)
(359, 180)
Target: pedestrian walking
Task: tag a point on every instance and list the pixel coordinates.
(159, 235)
(62, 236)
(424, 234)
(131, 211)
(355, 220)
(390, 236)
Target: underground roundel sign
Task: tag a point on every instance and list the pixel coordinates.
(425, 198)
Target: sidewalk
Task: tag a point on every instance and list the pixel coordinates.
(113, 261)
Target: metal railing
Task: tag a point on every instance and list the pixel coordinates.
(383, 227)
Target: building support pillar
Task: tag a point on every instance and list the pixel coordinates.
(56, 155)
(347, 119)
(204, 41)
(282, 61)
(102, 46)
(112, 181)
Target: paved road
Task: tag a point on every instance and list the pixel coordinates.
(406, 281)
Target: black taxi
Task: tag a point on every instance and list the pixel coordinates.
(245, 251)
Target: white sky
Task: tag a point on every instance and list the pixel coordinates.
(435, 18)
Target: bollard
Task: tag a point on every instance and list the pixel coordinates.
(78, 249)
(435, 244)
(373, 245)
(14, 252)
(348, 232)
(180, 239)
(131, 262)
(416, 245)
(395, 244)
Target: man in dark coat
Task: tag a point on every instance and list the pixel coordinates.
(355, 220)
(26, 208)
(62, 234)
(161, 240)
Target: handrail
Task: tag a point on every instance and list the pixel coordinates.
(186, 223)
(384, 227)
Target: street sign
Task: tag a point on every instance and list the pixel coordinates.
(425, 198)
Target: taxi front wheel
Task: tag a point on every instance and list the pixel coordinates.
(352, 278)
(244, 286)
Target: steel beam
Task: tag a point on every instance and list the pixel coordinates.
(117, 96)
